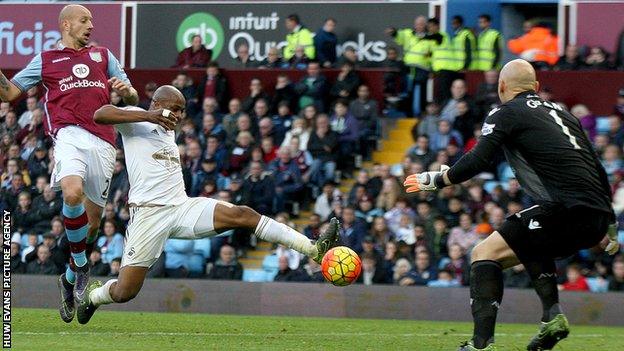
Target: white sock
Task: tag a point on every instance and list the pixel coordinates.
(270, 230)
(101, 295)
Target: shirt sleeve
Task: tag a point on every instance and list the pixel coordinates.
(128, 129)
(497, 127)
(29, 76)
(115, 69)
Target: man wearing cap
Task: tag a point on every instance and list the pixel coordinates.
(239, 195)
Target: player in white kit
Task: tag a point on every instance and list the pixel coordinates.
(160, 209)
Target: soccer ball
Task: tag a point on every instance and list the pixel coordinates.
(341, 266)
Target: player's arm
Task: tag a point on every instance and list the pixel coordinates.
(22, 81)
(109, 114)
(8, 90)
(496, 128)
(119, 81)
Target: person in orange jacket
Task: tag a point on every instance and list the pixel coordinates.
(538, 46)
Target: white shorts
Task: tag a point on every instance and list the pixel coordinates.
(150, 227)
(78, 152)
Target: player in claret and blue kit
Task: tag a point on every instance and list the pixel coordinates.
(78, 80)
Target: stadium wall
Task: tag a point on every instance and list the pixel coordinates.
(323, 300)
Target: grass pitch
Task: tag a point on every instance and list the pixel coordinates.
(42, 329)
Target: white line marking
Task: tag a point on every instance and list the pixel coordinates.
(291, 334)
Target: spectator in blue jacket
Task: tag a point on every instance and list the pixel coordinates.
(209, 171)
(112, 243)
(353, 229)
(216, 149)
(347, 127)
(325, 42)
(444, 136)
(288, 182)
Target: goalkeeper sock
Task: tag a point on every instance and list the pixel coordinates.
(76, 226)
(101, 295)
(544, 277)
(486, 294)
(270, 230)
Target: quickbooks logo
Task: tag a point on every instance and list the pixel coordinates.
(205, 25)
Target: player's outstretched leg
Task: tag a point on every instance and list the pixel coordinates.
(228, 216)
(554, 326)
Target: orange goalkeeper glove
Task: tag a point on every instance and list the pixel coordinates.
(424, 181)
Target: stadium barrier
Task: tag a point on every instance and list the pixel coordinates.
(324, 300)
(597, 89)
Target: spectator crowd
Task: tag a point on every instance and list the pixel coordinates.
(289, 150)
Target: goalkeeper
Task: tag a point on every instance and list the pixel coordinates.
(556, 165)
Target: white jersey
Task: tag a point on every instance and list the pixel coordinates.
(153, 163)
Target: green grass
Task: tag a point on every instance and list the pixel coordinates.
(42, 329)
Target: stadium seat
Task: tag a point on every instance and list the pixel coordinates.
(202, 247)
(197, 265)
(179, 253)
(254, 275)
(270, 265)
(490, 185)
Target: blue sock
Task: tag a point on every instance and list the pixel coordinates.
(76, 227)
(70, 275)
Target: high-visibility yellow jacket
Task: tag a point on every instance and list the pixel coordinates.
(299, 37)
(489, 45)
(416, 49)
(443, 55)
(459, 46)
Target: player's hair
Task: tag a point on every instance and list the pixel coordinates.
(459, 19)
(294, 17)
(486, 17)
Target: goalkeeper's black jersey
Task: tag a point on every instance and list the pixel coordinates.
(548, 150)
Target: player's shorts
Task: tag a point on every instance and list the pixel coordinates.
(78, 152)
(150, 227)
(554, 232)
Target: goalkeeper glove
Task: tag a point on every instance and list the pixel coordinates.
(613, 246)
(427, 181)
